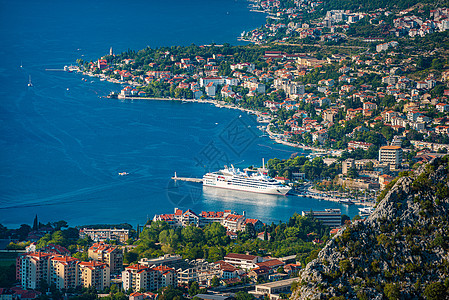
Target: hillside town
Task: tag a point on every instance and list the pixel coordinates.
(60, 258)
(374, 109)
(365, 91)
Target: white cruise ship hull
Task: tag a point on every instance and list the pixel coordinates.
(279, 190)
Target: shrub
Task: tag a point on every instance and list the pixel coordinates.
(391, 291)
(435, 291)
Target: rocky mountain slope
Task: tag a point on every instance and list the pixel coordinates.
(399, 252)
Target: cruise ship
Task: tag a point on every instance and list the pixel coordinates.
(234, 179)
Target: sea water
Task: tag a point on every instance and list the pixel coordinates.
(62, 144)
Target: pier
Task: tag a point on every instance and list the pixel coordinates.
(197, 180)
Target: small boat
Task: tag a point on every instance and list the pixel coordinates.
(29, 81)
(365, 211)
(345, 201)
(123, 173)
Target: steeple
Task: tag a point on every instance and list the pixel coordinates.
(111, 52)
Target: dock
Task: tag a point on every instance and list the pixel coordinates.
(197, 180)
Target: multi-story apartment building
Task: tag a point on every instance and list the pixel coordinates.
(64, 272)
(94, 273)
(166, 276)
(33, 269)
(329, 217)
(104, 234)
(108, 254)
(139, 277)
(391, 155)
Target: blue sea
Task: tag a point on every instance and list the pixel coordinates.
(62, 144)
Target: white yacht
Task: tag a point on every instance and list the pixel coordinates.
(365, 211)
(234, 179)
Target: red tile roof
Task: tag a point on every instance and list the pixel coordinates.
(240, 256)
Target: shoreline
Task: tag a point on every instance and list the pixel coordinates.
(271, 135)
(218, 104)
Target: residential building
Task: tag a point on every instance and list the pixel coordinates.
(234, 222)
(273, 289)
(329, 217)
(168, 259)
(391, 155)
(139, 277)
(166, 276)
(259, 272)
(104, 234)
(64, 272)
(108, 254)
(33, 269)
(242, 260)
(94, 273)
(227, 271)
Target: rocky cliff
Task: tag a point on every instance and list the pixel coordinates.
(399, 252)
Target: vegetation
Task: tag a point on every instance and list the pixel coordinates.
(392, 248)
(211, 242)
(313, 169)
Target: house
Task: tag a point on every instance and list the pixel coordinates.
(291, 268)
(442, 107)
(210, 89)
(272, 264)
(234, 222)
(320, 136)
(228, 271)
(243, 261)
(258, 225)
(259, 272)
(261, 236)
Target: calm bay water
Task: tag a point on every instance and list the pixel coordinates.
(62, 146)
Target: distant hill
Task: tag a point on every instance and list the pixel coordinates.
(370, 5)
(399, 252)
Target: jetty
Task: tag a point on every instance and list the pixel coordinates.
(197, 180)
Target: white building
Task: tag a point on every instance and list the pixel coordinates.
(329, 217)
(242, 260)
(391, 155)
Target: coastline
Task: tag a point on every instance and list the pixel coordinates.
(219, 104)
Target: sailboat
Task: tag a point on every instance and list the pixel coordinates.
(29, 81)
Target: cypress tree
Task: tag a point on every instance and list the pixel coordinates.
(35, 224)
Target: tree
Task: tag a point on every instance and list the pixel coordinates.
(241, 295)
(194, 288)
(35, 223)
(352, 173)
(215, 281)
(435, 291)
(60, 224)
(23, 231)
(215, 234)
(391, 291)
(344, 218)
(250, 230)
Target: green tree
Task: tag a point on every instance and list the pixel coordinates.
(241, 295)
(391, 291)
(194, 288)
(435, 291)
(35, 223)
(215, 281)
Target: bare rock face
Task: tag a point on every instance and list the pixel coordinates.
(399, 252)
